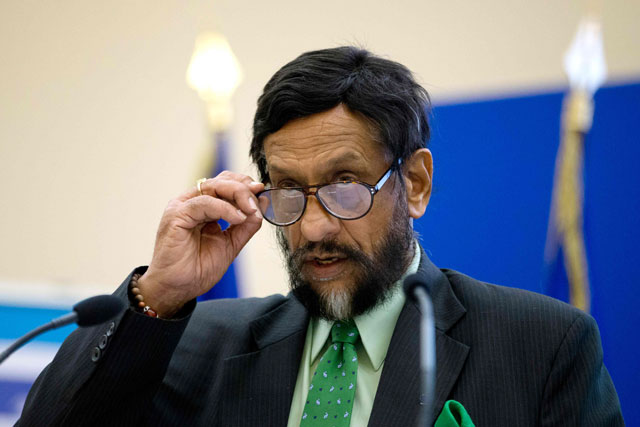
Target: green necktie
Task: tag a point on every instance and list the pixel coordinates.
(333, 386)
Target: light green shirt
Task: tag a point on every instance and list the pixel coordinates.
(375, 328)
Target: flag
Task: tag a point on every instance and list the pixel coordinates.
(227, 287)
(565, 253)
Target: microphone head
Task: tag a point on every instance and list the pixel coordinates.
(98, 309)
(411, 283)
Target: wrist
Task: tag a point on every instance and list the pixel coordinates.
(150, 300)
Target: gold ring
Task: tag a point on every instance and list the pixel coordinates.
(199, 183)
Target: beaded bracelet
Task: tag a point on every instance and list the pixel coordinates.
(135, 290)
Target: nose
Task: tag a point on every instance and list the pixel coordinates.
(316, 223)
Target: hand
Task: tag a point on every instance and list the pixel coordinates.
(192, 252)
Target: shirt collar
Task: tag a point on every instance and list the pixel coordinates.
(375, 327)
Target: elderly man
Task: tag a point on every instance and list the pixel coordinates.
(340, 144)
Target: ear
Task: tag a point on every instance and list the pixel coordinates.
(418, 173)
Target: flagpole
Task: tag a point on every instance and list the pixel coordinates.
(586, 71)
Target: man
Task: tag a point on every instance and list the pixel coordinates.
(340, 145)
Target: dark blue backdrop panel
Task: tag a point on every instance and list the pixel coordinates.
(493, 177)
(612, 234)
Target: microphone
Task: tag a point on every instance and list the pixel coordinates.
(417, 290)
(88, 312)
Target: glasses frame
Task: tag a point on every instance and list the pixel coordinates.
(373, 190)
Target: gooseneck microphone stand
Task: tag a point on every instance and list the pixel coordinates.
(417, 290)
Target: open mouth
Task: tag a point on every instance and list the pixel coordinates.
(325, 267)
(326, 261)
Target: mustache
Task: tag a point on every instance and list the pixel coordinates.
(297, 257)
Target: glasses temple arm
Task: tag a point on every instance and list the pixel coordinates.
(385, 177)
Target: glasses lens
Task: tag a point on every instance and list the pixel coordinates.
(282, 205)
(346, 199)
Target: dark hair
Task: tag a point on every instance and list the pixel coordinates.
(383, 91)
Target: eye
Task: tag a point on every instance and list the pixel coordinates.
(345, 176)
(287, 184)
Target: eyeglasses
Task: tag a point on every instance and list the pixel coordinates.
(342, 199)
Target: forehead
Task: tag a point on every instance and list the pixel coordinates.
(321, 140)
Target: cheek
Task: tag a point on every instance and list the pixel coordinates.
(382, 210)
(374, 225)
(364, 233)
(292, 236)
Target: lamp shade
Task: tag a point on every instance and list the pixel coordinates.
(214, 71)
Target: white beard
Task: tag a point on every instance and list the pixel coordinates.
(337, 303)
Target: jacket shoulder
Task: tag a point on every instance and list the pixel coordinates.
(513, 313)
(534, 348)
(489, 298)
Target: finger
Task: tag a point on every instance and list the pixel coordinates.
(202, 209)
(193, 191)
(254, 186)
(234, 192)
(246, 179)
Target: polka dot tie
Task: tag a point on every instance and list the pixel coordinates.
(333, 386)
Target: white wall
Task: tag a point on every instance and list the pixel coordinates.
(98, 129)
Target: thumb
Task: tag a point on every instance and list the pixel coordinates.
(240, 234)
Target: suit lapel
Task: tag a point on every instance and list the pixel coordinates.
(397, 400)
(450, 358)
(257, 387)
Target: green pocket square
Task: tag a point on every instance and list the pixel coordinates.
(453, 415)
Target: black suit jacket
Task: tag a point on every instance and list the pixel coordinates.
(511, 357)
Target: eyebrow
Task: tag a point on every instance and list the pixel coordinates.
(349, 160)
